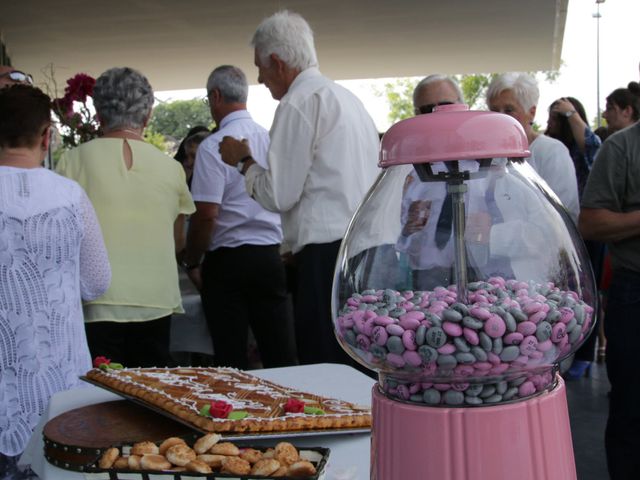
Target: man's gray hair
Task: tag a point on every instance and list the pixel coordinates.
(436, 77)
(231, 82)
(123, 97)
(523, 85)
(287, 35)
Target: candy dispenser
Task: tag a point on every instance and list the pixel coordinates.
(463, 282)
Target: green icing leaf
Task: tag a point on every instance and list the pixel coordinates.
(204, 411)
(313, 411)
(238, 415)
(104, 366)
(115, 366)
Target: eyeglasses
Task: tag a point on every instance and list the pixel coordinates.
(205, 100)
(18, 76)
(429, 107)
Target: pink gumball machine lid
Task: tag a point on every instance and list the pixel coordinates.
(455, 133)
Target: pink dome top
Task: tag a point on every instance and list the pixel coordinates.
(453, 132)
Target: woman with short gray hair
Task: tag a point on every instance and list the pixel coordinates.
(516, 94)
(140, 196)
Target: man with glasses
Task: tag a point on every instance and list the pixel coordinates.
(433, 91)
(233, 244)
(11, 76)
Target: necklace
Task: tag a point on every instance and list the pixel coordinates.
(124, 130)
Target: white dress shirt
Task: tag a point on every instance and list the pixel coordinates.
(322, 160)
(551, 160)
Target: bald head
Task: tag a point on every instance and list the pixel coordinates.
(435, 90)
(11, 76)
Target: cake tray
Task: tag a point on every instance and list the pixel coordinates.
(232, 435)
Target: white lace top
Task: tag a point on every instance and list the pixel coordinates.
(51, 255)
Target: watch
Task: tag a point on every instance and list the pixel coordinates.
(240, 165)
(569, 113)
(189, 267)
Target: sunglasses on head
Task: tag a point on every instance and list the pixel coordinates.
(18, 76)
(429, 107)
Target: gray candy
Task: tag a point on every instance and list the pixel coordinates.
(510, 353)
(436, 337)
(452, 397)
(427, 354)
(472, 323)
(543, 331)
(395, 345)
(431, 396)
(450, 315)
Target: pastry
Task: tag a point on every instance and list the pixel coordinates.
(180, 455)
(198, 466)
(303, 468)
(225, 448)
(134, 462)
(204, 444)
(121, 463)
(154, 462)
(265, 467)
(286, 453)
(170, 442)
(214, 461)
(108, 458)
(251, 455)
(230, 400)
(236, 466)
(145, 448)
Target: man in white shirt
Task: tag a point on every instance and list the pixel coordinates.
(242, 276)
(322, 160)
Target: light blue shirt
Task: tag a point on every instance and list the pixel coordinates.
(241, 220)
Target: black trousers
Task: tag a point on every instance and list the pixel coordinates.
(133, 344)
(245, 287)
(315, 335)
(622, 328)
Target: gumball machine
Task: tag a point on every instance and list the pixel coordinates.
(463, 282)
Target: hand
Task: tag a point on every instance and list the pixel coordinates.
(562, 106)
(195, 275)
(233, 150)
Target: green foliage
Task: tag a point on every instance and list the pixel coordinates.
(175, 119)
(158, 140)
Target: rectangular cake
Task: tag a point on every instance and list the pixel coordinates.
(230, 400)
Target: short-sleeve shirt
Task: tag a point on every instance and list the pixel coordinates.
(137, 209)
(614, 184)
(241, 220)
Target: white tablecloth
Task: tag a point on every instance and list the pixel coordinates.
(349, 458)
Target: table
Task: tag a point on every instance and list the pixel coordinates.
(349, 459)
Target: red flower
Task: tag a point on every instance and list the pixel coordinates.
(294, 405)
(220, 409)
(100, 360)
(80, 87)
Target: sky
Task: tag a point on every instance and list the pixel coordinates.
(618, 65)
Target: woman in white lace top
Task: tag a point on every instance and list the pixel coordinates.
(51, 256)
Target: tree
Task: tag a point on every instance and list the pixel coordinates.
(175, 119)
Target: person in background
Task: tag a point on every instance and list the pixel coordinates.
(140, 195)
(435, 90)
(568, 123)
(322, 160)
(51, 257)
(180, 154)
(233, 244)
(191, 145)
(623, 107)
(11, 76)
(517, 94)
(611, 214)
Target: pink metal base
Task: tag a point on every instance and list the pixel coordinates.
(528, 440)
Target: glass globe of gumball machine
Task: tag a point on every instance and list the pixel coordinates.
(463, 282)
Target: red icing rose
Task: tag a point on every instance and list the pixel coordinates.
(220, 409)
(100, 360)
(294, 405)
